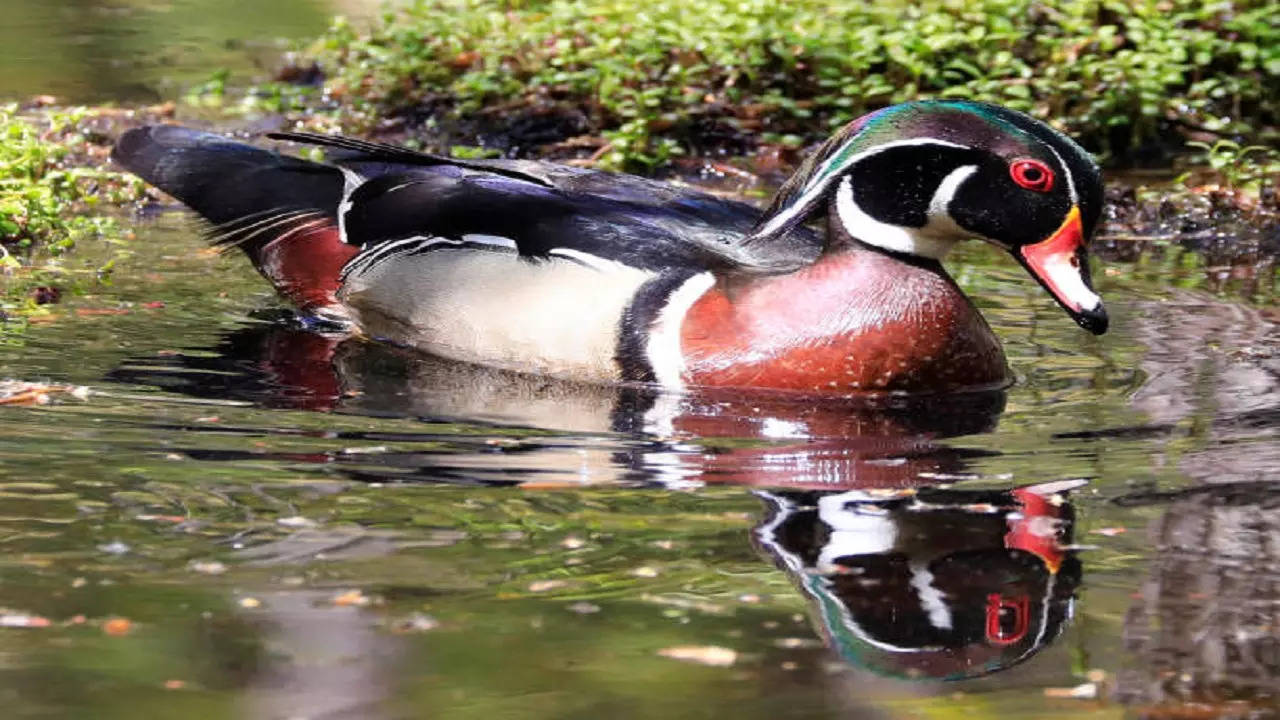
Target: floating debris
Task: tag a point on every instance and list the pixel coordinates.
(14, 619)
(250, 603)
(117, 626)
(711, 655)
(115, 547)
(207, 567)
(1109, 531)
(296, 521)
(645, 572)
(794, 643)
(18, 392)
(1084, 691)
(545, 585)
(416, 622)
(351, 598)
(572, 543)
(584, 608)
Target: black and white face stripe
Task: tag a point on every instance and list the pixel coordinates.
(809, 199)
(934, 239)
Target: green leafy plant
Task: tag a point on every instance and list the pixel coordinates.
(49, 198)
(660, 77)
(1247, 168)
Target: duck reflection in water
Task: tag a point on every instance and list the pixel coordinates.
(903, 578)
(611, 434)
(929, 583)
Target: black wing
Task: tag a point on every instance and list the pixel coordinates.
(545, 206)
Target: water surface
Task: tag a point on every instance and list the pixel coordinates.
(247, 519)
(294, 524)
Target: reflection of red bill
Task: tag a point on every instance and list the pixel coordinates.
(1060, 264)
(1036, 528)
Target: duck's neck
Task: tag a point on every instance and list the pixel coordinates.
(859, 319)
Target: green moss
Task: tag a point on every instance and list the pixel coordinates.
(50, 199)
(660, 77)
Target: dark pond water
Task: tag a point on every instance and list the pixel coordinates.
(243, 519)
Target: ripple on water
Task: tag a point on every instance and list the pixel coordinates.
(387, 529)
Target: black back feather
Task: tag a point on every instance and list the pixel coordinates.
(238, 188)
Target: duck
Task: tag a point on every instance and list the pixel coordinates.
(835, 287)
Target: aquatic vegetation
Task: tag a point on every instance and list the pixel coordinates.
(50, 199)
(1250, 169)
(649, 80)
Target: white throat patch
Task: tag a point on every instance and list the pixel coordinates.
(934, 240)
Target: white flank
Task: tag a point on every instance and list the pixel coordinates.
(934, 240)
(823, 178)
(663, 348)
(558, 317)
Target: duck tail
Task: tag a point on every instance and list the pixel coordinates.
(280, 210)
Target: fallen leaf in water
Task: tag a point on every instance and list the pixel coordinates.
(94, 312)
(115, 547)
(417, 622)
(351, 598)
(1085, 691)
(153, 305)
(11, 619)
(545, 585)
(207, 567)
(17, 392)
(712, 655)
(174, 684)
(584, 608)
(117, 626)
(1109, 531)
(296, 521)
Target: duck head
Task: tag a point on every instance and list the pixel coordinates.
(915, 179)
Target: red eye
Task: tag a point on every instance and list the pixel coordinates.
(1032, 174)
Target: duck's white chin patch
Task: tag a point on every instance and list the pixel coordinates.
(933, 240)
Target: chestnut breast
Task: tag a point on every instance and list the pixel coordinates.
(857, 320)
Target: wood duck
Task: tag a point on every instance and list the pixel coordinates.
(601, 277)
